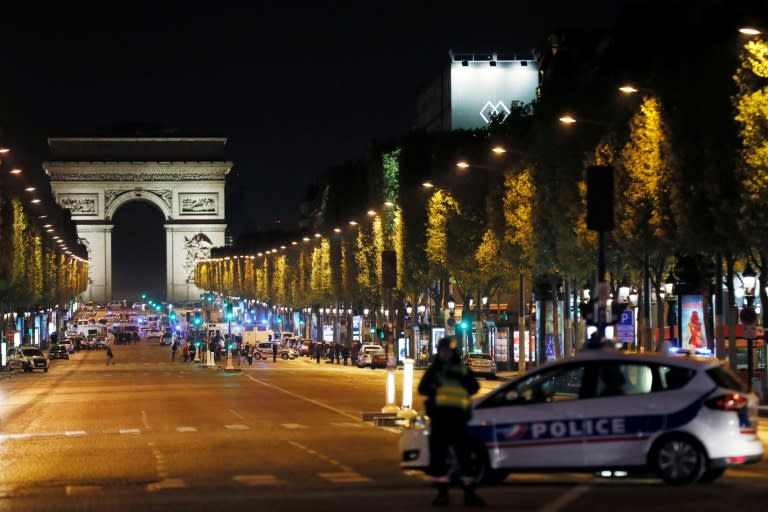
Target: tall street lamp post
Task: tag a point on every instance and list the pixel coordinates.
(748, 319)
(669, 294)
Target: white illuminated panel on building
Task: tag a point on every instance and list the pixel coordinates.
(479, 90)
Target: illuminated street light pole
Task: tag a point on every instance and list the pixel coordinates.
(748, 319)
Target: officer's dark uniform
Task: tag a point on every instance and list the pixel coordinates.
(448, 385)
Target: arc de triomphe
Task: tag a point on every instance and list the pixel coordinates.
(184, 177)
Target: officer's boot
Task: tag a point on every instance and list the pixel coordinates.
(470, 498)
(442, 498)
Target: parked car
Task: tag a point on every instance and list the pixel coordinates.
(156, 336)
(58, 352)
(686, 419)
(379, 359)
(27, 358)
(365, 355)
(481, 364)
(263, 350)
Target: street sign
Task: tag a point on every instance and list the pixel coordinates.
(625, 329)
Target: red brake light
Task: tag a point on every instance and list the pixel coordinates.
(731, 402)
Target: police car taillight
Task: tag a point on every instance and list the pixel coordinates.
(730, 402)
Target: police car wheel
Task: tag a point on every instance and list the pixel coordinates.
(711, 475)
(284, 356)
(678, 460)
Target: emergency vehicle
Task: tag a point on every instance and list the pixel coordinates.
(684, 418)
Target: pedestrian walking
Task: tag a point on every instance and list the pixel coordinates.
(249, 353)
(192, 351)
(448, 385)
(174, 346)
(318, 351)
(185, 352)
(274, 352)
(110, 356)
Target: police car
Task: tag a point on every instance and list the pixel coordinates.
(686, 419)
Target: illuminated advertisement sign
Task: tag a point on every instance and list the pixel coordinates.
(693, 332)
(478, 90)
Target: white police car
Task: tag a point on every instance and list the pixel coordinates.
(685, 418)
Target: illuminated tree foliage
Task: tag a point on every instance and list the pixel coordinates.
(320, 276)
(32, 273)
(440, 208)
(642, 185)
(519, 197)
(751, 105)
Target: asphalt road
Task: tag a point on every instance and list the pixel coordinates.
(152, 434)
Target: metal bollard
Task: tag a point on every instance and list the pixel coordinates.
(390, 406)
(406, 411)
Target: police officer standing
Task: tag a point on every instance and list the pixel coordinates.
(448, 385)
(274, 352)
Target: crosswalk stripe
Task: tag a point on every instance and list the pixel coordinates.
(343, 477)
(168, 483)
(237, 427)
(130, 431)
(257, 480)
(293, 426)
(186, 429)
(75, 490)
(75, 433)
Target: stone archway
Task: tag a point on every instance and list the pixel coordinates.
(183, 177)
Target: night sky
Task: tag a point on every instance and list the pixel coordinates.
(295, 86)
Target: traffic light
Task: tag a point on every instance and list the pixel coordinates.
(173, 316)
(382, 333)
(198, 321)
(230, 313)
(188, 316)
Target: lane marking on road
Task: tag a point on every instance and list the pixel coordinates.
(144, 420)
(322, 456)
(418, 474)
(168, 483)
(343, 477)
(306, 399)
(258, 480)
(130, 431)
(237, 427)
(347, 424)
(293, 426)
(565, 499)
(73, 433)
(237, 414)
(186, 429)
(77, 490)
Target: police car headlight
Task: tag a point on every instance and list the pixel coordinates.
(417, 423)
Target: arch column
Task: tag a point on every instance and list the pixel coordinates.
(98, 240)
(185, 244)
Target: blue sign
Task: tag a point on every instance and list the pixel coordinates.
(625, 329)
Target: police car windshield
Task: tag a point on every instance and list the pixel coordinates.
(32, 352)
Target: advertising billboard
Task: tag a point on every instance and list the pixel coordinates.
(479, 90)
(693, 332)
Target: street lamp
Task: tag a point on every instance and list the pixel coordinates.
(748, 318)
(669, 294)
